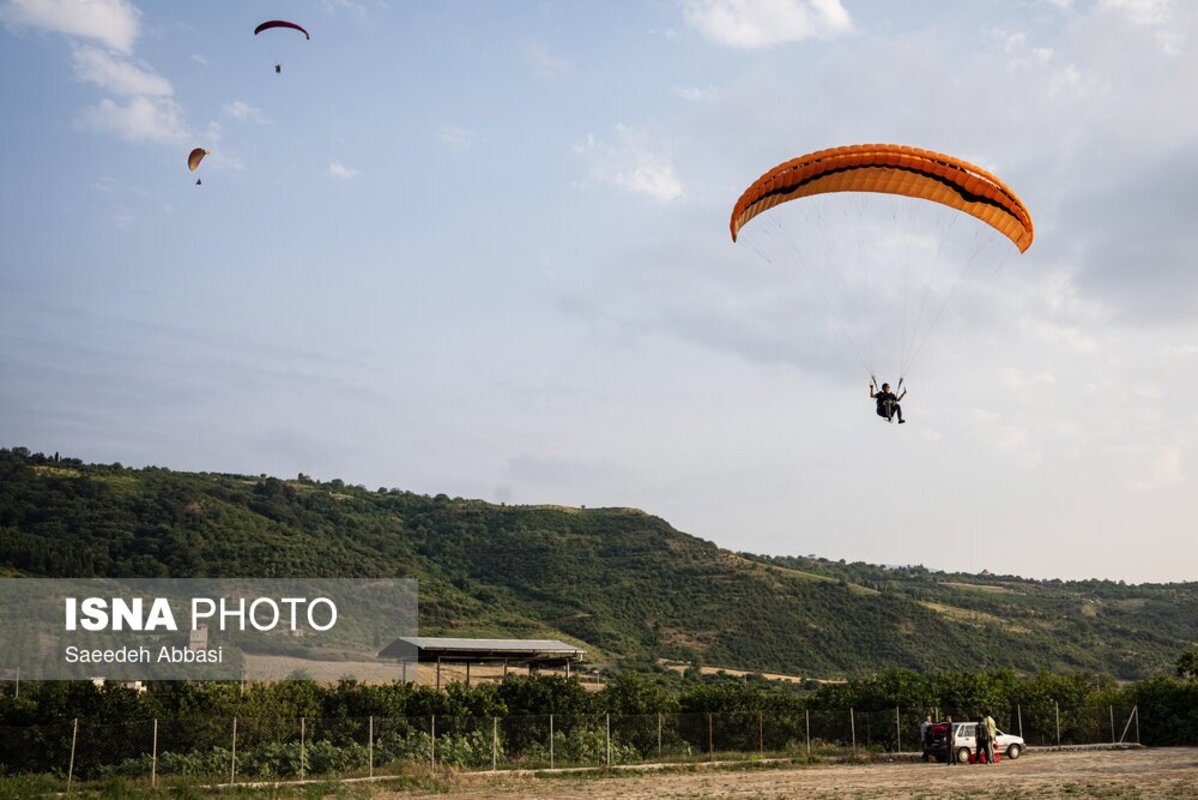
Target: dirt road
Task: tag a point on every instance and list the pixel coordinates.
(1158, 773)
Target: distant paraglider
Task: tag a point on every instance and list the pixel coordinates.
(280, 23)
(193, 161)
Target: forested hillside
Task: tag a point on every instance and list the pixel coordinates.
(623, 582)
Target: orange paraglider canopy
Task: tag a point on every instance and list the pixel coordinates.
(890, 169)
(195, 157)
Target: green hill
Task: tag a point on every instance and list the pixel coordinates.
(621, 581)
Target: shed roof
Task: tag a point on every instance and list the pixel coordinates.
(426, 648)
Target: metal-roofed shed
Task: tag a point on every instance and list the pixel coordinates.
(532, 653)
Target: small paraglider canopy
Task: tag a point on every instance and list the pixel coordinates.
(195, 157)
(280, 23)
(193, 161)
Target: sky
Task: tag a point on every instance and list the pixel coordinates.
(482, 249)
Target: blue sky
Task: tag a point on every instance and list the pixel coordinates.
(482, 249)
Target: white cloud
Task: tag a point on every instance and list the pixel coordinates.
(342, 172)
(763, 23)
(199, 59)
(455, 137)
(1027, 387)
(695, 93)
(1009, 440)
(1141, 12)
(221, 160)
(1149, 467)
(112, 22)
(1170, 43)
(156, 120)
(358, 10)
(117, 75)
(245, 112)
(545, 62)
(1068, 337)
(634, 163)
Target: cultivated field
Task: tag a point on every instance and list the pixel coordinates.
(1156, 773)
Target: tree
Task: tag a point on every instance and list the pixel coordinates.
(1187, 664)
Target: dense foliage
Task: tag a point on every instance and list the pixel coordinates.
(192, 721)
(625, 584)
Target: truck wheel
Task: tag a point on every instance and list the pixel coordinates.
(1013, 752)
(963, 755)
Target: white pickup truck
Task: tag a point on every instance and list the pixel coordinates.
(1005, 744)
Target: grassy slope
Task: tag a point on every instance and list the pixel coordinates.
(621, 581)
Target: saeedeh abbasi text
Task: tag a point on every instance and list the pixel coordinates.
(142, 655)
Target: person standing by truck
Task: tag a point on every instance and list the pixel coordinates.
(950, 738)
(991, 727)
(983, 751)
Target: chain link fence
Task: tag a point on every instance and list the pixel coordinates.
(213, 750)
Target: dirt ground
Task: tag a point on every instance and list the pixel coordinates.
(1157, 773)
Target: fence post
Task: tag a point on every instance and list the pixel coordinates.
(71, 765)
(853, 729)
(18, 694)
(1019, 712)
(1112, 708)
(1136, 711)
(233, 756)
(494, 742)
(302, 753)
(154, 758)
(607, 738)
(710, 739)
(1057, 709)
(550, 741)
(898, 732)
(432, 749)
(1123, 735)
(370, 750)
(659, 736)
(760, 733)
(807, 715)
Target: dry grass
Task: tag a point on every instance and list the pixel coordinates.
(988, 588)
(1161, 773)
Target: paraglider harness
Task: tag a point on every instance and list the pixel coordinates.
(886, 400)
